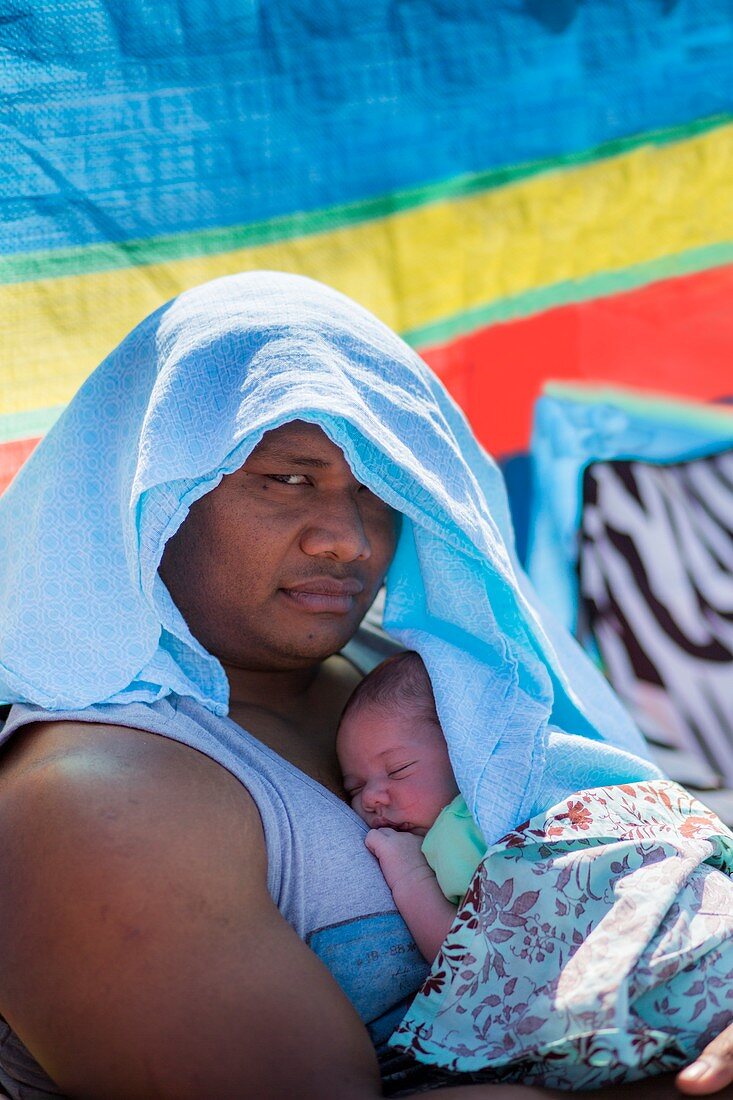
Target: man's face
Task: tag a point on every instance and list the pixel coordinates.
(276, 567)
(396, 768)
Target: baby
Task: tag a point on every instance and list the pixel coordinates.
(398, 776)
(595, 943)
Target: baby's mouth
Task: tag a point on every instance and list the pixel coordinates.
(385, 823)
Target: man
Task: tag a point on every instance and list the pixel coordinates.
(165, 860)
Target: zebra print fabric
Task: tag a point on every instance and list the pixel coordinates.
(656, 584)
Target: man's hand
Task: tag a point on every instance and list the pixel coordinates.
(712, 1070)
(400, 857)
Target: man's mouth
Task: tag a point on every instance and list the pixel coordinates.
(325, 595)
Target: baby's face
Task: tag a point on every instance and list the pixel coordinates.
(396, 769)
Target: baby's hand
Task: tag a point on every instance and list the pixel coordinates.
(399, 855)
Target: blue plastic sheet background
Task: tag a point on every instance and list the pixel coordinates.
(124, 119)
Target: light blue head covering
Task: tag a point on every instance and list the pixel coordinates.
(85, 618)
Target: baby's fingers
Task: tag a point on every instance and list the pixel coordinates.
(376, 840)
(712, 1070)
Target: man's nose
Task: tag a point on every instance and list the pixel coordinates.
(337, 531)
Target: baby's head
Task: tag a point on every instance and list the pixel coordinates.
(391, 748)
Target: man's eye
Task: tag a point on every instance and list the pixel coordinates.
(289, 479)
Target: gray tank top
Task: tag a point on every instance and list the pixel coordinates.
(320, 875)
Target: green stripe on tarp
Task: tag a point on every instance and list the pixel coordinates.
(112, 255)
(28, 425)
(568, 293)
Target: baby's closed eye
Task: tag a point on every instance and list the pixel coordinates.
(402, 771)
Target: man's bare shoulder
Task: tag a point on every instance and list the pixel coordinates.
(76, 793)
(79, 756)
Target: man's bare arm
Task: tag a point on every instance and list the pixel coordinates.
(140, 952)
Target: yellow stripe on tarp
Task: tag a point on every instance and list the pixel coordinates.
(414, 269)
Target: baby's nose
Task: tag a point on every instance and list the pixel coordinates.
(373, 795)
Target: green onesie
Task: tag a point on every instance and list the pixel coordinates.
(454, 847)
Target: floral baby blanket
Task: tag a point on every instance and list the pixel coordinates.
(594, 945)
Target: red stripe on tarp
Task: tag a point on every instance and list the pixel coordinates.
(675, 336)
(12, 457)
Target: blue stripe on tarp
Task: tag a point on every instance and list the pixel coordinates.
(124, 121)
